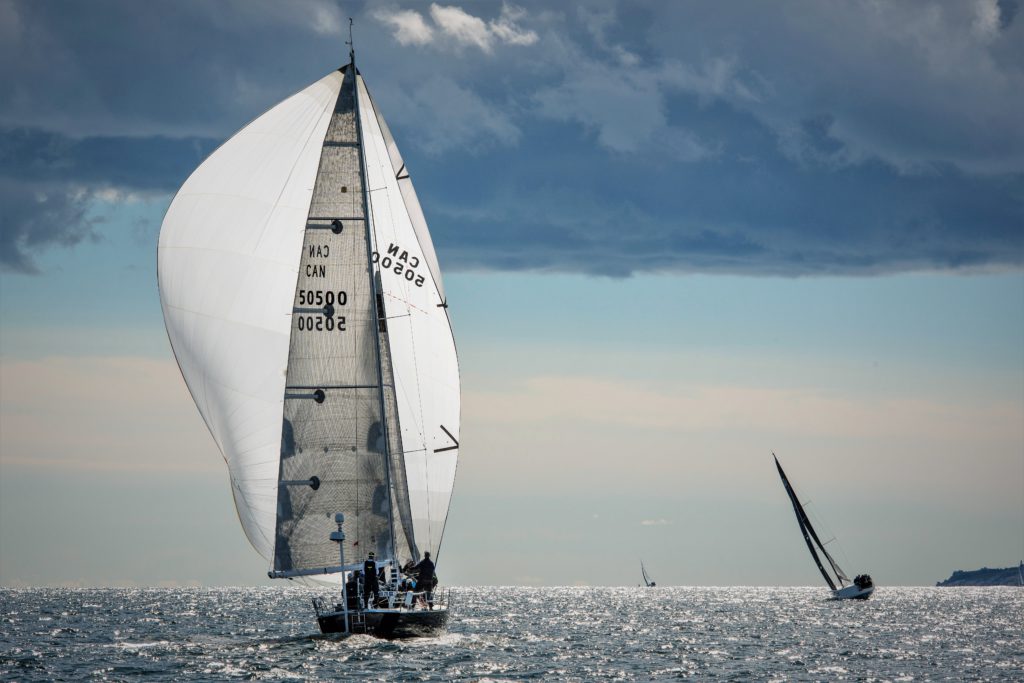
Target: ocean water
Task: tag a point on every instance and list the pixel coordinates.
(514, 634)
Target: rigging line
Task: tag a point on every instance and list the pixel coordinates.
(840, 574)
(403, 301)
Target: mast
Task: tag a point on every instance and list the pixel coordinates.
(805, 524)
(375, 292)
(351, 45)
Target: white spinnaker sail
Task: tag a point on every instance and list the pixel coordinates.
(227, 260)
(422, 347)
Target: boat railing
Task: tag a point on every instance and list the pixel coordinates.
(414, 599)
(411, 600)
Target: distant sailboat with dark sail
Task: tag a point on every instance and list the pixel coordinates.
(303, 300)
(861, 587)
(648, 581)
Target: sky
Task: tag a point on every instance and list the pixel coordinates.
(676, 237)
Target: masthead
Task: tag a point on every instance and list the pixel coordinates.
(351, 44)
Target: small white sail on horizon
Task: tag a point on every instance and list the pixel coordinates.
(648, 582)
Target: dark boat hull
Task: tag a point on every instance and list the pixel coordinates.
(388, 623)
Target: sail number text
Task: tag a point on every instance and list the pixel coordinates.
(321, 323)
(400, 262)
(326, 321)
(317, 297)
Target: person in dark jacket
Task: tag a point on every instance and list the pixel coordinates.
(425, 578)
(370, 585)
(352, 590)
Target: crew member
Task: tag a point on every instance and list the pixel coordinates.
(352, 590)
(370, 584)
(425, 578)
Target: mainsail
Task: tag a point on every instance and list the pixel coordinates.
(810, 536)
(304, 304)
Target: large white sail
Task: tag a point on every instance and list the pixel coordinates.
(422, 348)
(273, 217)
(227, 261)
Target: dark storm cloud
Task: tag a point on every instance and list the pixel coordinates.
(160, 67)
(34, 217)
(1007, 11)
(151, 163)
(107, 99)
(797, 138)
(48, 181)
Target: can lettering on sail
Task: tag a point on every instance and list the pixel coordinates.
(400, 262)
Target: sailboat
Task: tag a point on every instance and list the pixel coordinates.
(861, 587)
(304, 304)
(647, 579)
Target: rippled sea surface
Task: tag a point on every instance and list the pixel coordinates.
(582, 634)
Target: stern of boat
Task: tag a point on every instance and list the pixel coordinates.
(861, 589)
(405, 615)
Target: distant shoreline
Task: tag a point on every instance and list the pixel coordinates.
(983, 577)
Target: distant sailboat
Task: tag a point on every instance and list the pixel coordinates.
(303, 300)
(647, 579)
(860, 587)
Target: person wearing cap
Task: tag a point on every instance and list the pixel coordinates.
(370, 585)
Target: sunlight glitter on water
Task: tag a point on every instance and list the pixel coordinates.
(505, 634)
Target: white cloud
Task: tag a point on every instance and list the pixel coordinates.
(507, 30)
(325, 19)
(986, 19)
(655, 522)
(455, 27)
(462, 27)
(408, 26)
